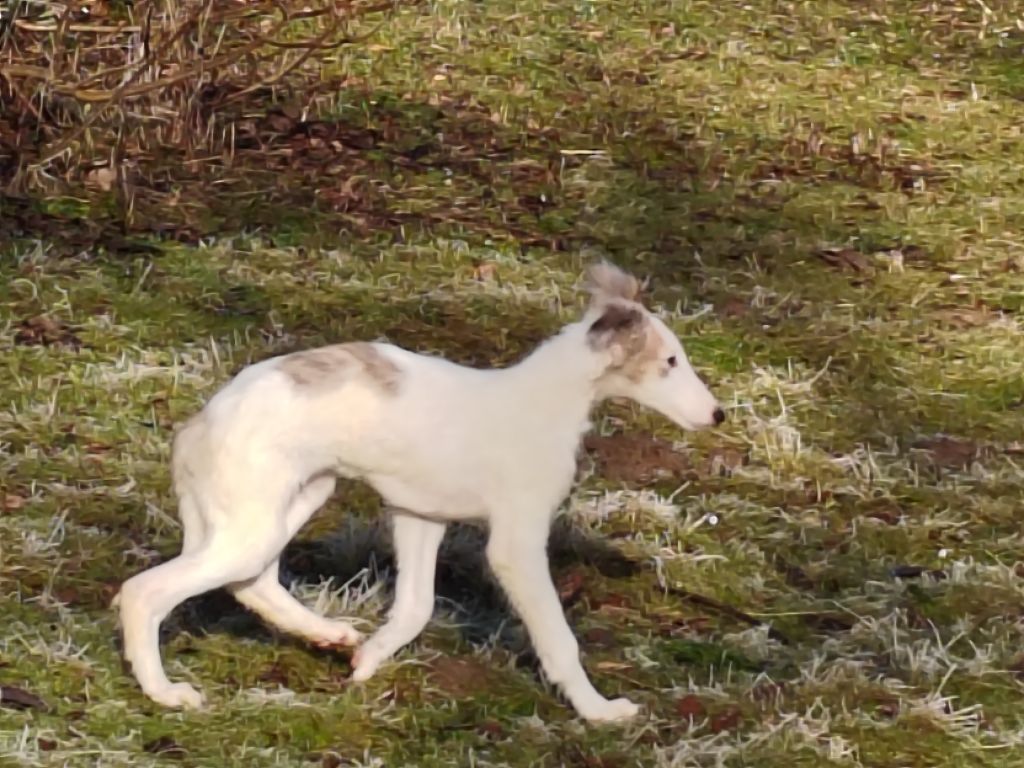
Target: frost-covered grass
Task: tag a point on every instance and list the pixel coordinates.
(828, 199)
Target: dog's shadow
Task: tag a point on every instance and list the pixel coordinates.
(464, 585)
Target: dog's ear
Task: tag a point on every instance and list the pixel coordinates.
(606, 282)
(620, 330)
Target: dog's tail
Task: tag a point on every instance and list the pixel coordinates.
(188, 449)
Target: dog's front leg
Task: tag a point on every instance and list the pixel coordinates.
(517, 553)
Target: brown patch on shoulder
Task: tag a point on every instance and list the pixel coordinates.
(312, 366)
(376, 365)
(335, 363)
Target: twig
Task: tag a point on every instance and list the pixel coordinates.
(158, 57)
(728, 610)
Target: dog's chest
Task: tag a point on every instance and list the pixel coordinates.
(429, 497)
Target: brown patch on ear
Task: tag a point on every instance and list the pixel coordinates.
(606, 282)
(339, 362)
(624, 330)
(620, 328)
(617, 318)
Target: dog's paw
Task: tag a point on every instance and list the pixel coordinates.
(177, 695)
(365, 662)
(336, 633)
(611, 711)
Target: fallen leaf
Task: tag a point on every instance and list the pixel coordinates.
(278, 122)
(966, 317)
(611, 600)
(948, 452)
(734, 307)
(42, 330)
(484, 271)
(275, 673)
(914, 253)
(890, 709)
(797, 577)
(12, 502)
(94, 9)
(459, 677)
(491, 729)
(681, 626)
(727, 720)
(723, 461)
(848, 259)
(12, 697)
(690, 707)
(101, 178)
(599, 637)
(613, 666)
(109, 590)
(68, 595)
(886, 514)
(570, 586)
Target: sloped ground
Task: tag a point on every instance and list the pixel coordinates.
(828, 198)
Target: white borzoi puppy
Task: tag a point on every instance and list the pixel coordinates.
(440, 442)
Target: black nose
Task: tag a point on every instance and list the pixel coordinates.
(718, 415)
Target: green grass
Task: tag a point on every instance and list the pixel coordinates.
(827, 197)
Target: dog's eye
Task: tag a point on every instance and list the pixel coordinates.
(672, 362)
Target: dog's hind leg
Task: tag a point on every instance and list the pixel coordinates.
(193, 531)
(265, 596)
(416, 543)
(233, 553)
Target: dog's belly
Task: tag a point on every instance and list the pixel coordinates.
(429, 500)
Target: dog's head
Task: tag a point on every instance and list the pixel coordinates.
(645, 361)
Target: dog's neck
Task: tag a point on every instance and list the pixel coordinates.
(559, 379)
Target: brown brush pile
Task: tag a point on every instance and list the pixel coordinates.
(135, 99)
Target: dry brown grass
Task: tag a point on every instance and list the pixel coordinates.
(108, 92)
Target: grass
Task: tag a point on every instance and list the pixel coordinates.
(827, 198)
